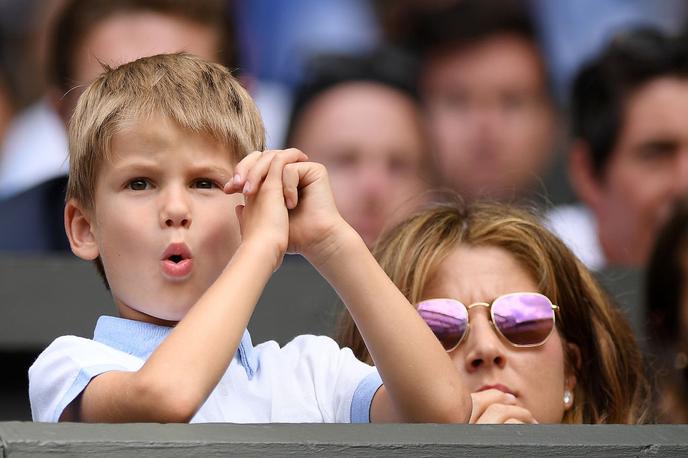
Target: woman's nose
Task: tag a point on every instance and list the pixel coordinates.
(483, 348)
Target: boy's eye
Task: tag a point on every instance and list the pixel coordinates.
(204, 183)
(138, 184)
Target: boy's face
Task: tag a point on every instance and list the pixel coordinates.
(162, 225)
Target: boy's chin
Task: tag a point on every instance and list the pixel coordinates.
(160, 319)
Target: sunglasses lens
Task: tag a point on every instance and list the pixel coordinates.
(447, 319)
(524, 319)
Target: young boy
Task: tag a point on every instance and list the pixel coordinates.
(152, 145)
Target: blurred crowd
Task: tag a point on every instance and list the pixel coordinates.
(578, 108)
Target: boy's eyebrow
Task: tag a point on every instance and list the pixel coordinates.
(137, 165)
(223, 172)
(153, 166)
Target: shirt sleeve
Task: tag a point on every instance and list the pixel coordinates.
(64, 369)
(363, 397)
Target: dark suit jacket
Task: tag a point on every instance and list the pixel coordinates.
(33, 221)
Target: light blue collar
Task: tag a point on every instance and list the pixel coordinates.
(141, 339)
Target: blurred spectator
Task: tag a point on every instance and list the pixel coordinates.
(33, 166)
(24, 26)
(491, 117)
(91, 33)
(42, 213)
(629, 158)
(571, 35)
(667, 316)
(360, 116)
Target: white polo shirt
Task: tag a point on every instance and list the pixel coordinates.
(308, 380)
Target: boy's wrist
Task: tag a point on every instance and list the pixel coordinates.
(341, 240)
(261, 250)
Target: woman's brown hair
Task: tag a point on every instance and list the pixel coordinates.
(611, 387)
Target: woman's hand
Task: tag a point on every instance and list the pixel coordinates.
(496, 407)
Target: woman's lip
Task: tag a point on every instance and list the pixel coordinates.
(497, 386)
(177, 270)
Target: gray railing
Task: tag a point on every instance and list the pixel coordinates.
(152, 440)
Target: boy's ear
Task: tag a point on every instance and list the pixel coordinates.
(80, 231)
(582, 175)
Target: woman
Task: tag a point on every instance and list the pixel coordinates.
(536, 338)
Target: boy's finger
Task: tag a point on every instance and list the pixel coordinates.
(269, 160)
(290, 184)
(308, 172)
(257, 173)
(236, 183)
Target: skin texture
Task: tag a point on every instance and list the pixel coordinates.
(489, 117)
(535, 377)
(646, 172)
(370, 139)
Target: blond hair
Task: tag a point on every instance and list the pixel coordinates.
(611, 387)
(197, 95)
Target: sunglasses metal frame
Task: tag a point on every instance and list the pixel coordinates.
(555, 308)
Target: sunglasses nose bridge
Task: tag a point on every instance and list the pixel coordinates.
(478, 304)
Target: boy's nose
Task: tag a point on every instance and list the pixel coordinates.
(182, 222)
(176, 210)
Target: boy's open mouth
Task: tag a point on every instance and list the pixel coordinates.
(176, 261)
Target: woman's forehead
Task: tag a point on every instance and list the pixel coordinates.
(479, 274)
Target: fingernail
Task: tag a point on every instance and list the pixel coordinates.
(230, 183)
(290, 204)
(247, 188)
(236, 178)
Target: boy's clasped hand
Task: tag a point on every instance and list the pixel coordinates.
(289, 201)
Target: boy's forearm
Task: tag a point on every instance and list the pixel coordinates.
(185, 368)
(419, 377)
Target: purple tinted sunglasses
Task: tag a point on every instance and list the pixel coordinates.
(523, 319)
